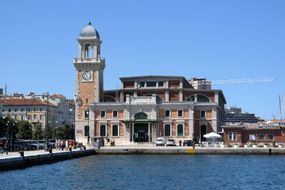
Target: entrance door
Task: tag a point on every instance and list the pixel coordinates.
(141, 132)
(203, 132)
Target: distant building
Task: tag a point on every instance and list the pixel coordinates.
(265, 132)
(200, 83)
(145, 107)
(235, 115)
(39, 109)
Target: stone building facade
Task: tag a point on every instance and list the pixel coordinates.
(56, 109)
(144, 108)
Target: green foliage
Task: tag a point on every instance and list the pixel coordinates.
(3, 127)
(25, 130)
(65, 132)
(38, 132)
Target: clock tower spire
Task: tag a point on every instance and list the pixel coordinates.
(89, 82)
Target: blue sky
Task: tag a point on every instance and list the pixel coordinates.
(219, 40)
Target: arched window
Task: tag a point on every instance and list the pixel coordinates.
(140, 115)
(102, 130)
(88, 51)
(180, 130)
(202, 98)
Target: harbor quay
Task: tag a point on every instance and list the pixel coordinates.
(15, 160)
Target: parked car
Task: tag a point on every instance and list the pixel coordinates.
(159, 141)
(187, 143)
(170, 142)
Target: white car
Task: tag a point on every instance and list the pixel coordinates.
(159, 141)
(170, 142)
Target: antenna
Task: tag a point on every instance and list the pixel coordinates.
(5, 94)
(280, 107)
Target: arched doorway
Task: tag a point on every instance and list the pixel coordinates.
(141, 128)
(141, 132)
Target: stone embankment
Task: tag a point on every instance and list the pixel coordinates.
(29, 158)
(190, 150)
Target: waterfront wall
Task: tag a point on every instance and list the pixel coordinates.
(30, 160)
(217, 151)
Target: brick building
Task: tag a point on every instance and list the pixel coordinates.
(144, 108)
(254, 133)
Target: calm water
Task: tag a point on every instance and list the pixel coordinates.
(152, 172)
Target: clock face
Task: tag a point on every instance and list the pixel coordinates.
(87, 75)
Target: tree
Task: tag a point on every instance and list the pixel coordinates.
(3, 127)
(65, 132)
(38, 132)
(25, 130)
(12, 128)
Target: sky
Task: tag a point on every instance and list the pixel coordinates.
(219, 40)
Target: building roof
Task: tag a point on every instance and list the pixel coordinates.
(151, 77)
(89, 32)
(24, 102)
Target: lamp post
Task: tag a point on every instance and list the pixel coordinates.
(88, 138)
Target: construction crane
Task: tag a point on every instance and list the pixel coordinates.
(243, 81)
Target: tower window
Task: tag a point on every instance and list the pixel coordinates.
(88, 51)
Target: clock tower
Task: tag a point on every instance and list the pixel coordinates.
(89, 82)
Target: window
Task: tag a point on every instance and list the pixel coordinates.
(270, 136)
(167, 113)
(141, 84)
(202, 98)
(41, 117)
(102, 114)
(41, 109)
(261, 136)
(151, 84)
(252, 137)
(160, 83)
(115, 114)
(86, 114)
(16, 109)
(203, 114)
(86, 130)
(115, 130)
(35, 109)
(180, 113)
(167, 130)
(35, 116)
(102, 130)
(22, 109)
(233, 136)
(180, 130)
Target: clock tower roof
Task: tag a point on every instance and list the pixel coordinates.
(89, 32)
